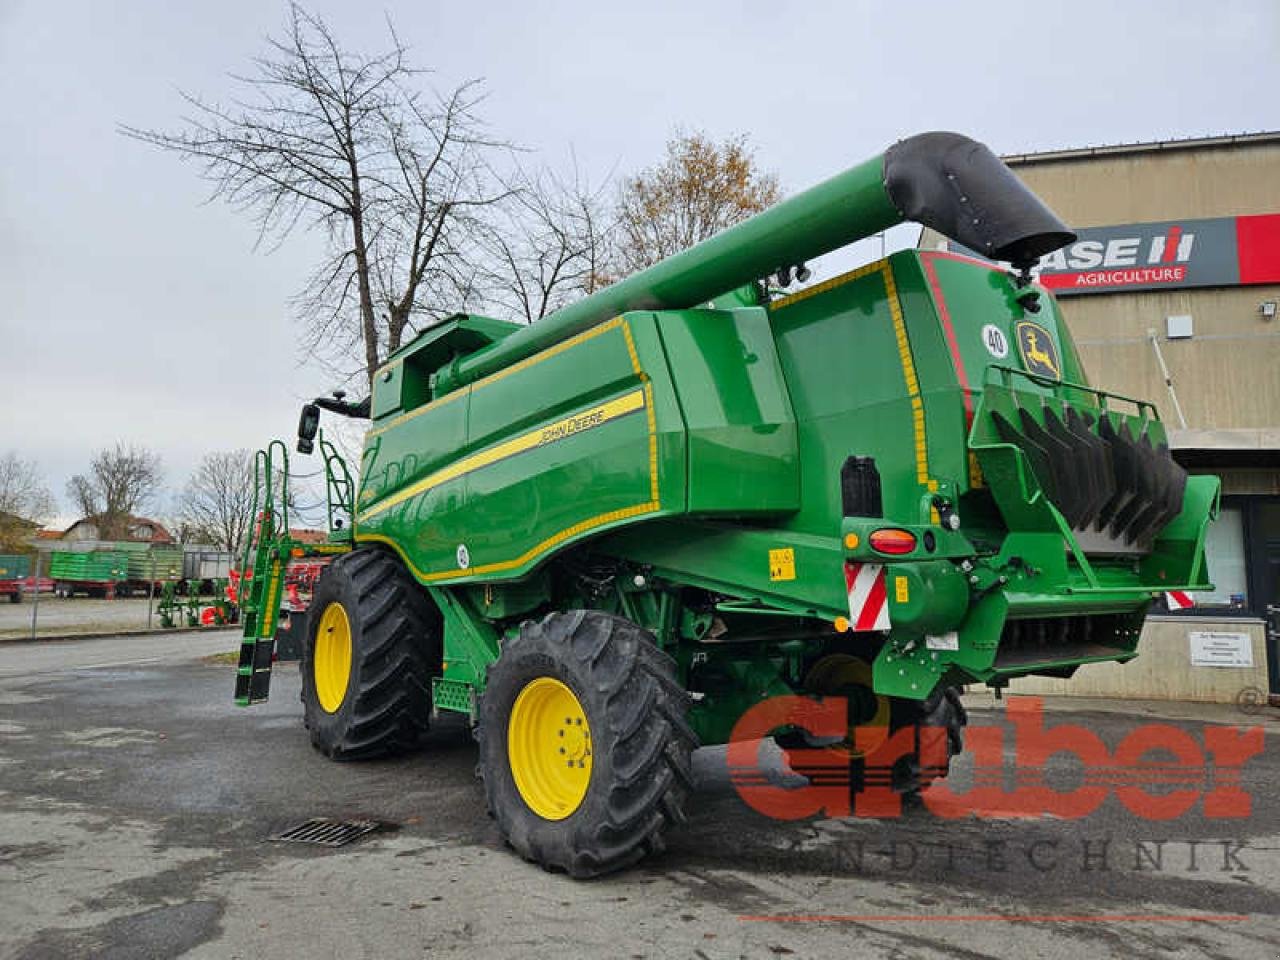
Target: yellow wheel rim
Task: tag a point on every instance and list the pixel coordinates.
(834, 675)
(331, 665)
(549, 748)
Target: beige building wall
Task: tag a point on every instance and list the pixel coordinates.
(1163, 668)
(1228, 374)
(1097, 188)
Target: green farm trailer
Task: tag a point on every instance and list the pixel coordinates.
(150, 566)
(609, 536)
(95, 572)
(14, 568)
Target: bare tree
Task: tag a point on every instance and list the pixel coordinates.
(548, 244)
(216, 506)
(327, 139)
(24, 501)
(120, 482)
(83, 495)
(700, 188)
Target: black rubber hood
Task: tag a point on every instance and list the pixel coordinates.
(964, 191)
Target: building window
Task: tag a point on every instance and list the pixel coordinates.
(1226, 556)
(1242, 553)
(1224, 552)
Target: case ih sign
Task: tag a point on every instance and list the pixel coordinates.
(1217, 252)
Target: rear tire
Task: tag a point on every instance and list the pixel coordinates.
(942, 709)
(851, 678)
(380, 703)
(632, 739)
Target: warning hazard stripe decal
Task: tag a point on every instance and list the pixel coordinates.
(1179, 600)
(868, 598)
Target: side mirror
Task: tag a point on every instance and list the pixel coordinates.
(308, 424)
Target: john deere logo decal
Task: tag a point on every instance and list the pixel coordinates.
(1039, 355)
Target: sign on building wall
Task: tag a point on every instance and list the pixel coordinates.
(1221, 650)
(1215, 252)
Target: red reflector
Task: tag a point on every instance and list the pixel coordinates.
(893, 541)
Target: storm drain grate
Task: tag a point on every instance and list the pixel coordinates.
(327, 833)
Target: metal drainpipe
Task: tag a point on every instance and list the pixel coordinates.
(1168, 379)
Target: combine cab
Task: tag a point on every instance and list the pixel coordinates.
(606, 536)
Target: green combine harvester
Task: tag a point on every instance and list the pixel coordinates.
(607, 535)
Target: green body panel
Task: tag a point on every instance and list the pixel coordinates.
(121, 560)
(646, 415)
(14, 566)
(472, 641)
(96, 566)
(401, 386)
(742, 443)
(157, 563)
(429, 478)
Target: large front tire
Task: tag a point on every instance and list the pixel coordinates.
(584, 748)
(372, 646)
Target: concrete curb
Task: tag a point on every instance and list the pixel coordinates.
(99, 635)
(1196, 711)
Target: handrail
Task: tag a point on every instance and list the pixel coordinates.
(1144, 407)
(339, 490)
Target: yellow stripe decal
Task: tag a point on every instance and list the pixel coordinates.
(526, 557)
(909, 376)
(648, 402)
(784, 302)
(551, 433)
(418, 411)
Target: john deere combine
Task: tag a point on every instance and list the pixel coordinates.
(607, 535)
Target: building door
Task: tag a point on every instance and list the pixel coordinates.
(1264, 536)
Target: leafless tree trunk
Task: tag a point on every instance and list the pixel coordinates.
(24, 501)
(217, 503)
(548, 244)
(120, 482)
(341, 142)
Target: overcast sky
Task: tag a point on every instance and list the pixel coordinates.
(132, 310)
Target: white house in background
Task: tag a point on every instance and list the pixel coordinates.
(140, 529)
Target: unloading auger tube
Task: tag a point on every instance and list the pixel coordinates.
(941, 180)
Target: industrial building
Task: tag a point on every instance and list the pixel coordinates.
(1171, 292)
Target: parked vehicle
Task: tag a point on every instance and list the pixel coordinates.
(92, 572)
(607, 536)
(13, 572)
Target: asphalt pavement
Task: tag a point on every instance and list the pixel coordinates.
(137, 806)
